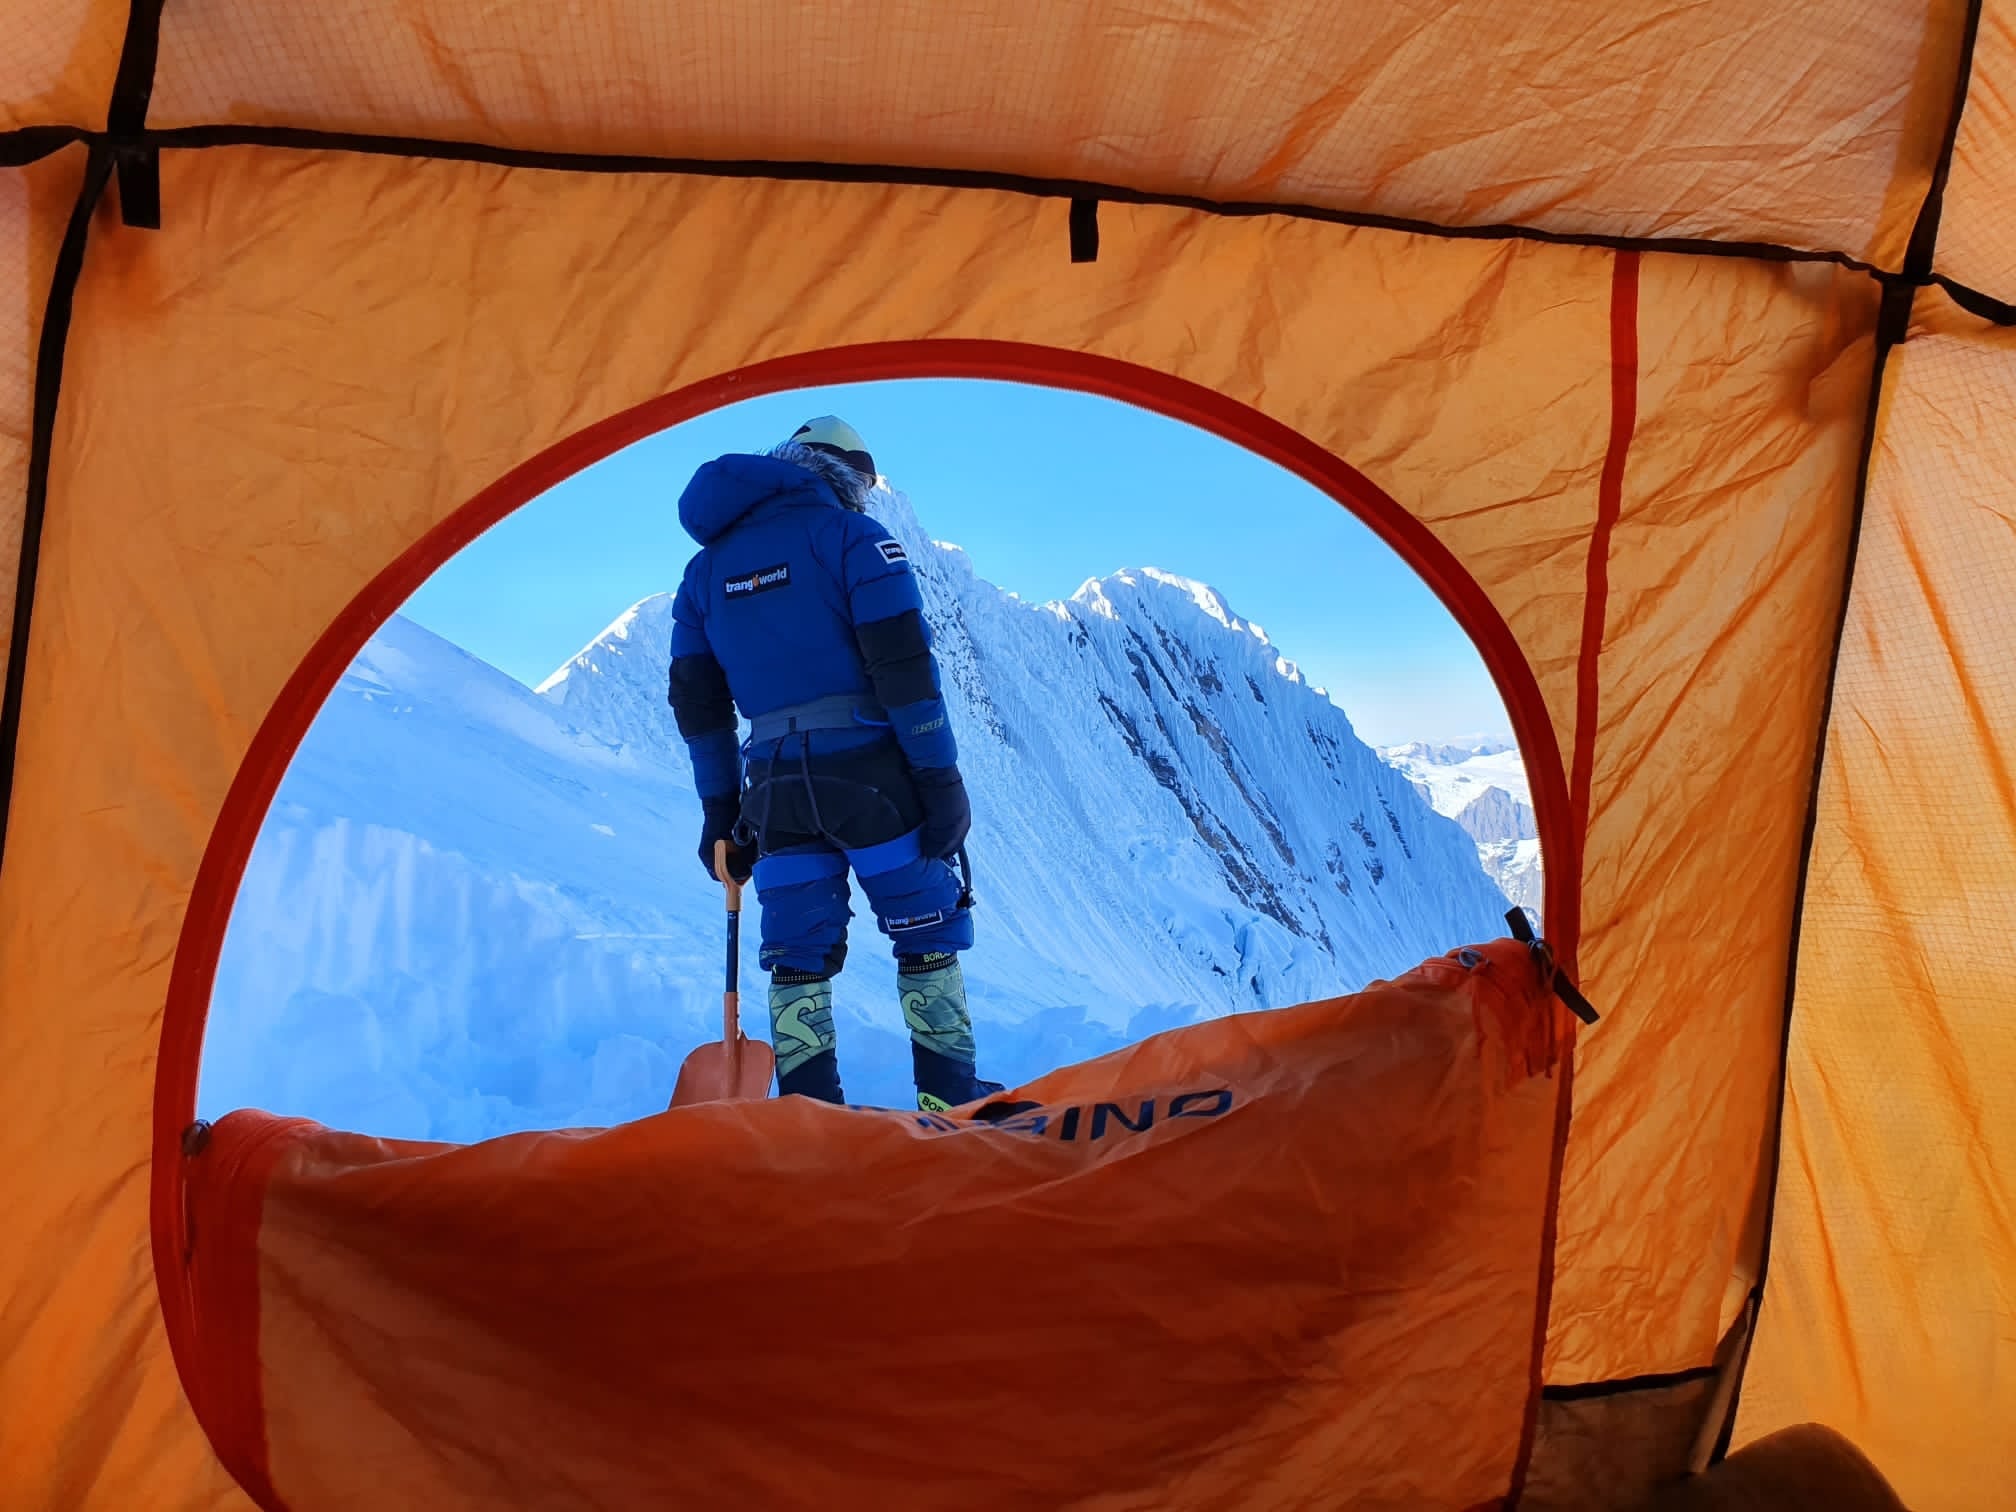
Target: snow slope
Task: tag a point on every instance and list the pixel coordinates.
(476, 907)
(1482, 786)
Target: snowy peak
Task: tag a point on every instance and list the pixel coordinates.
(613, 689)
(642, 627)
(1166, 741)
(1100, 594)
(1163, 596)
(409, 674)
(1495, 815)
(1185, 613)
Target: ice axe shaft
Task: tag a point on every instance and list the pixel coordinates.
(737, 1068)
(731, 1001)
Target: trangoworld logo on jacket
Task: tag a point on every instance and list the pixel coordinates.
(762, 580)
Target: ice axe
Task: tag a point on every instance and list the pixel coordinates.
(736, 1069)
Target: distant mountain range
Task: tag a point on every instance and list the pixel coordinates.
(1481, 784)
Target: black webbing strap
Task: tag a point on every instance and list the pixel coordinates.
(138, 162)
(1550, 969)
(1084, 230)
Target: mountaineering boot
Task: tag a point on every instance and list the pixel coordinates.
(933, 992)
(801, 1032)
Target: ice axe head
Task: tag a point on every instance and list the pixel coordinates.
(727, 881)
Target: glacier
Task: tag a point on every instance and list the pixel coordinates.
(1481, 784)
(474, 907)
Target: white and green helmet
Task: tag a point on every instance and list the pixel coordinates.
(835, 437)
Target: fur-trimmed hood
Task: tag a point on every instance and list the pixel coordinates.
(852, 487)
(729, 488)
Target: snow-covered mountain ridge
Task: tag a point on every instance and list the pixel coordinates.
(476, 907)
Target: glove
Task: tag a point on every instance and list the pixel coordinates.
(719, 817)
(947, 814)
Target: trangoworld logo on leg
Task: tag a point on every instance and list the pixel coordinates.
(762, 580)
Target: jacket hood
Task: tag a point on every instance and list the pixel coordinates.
(729, 488)
(853, 486)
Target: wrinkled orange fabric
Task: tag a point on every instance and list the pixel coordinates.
(1813, 124)
(320, 357)
(20, 327)
(314, 472)
(57, 60)
(1890, 1309)
(1977, 229)
(35, 204)
(1307, 1279)
(1724, 585)
(233, 467)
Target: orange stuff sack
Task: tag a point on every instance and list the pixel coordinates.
(1281, 1259)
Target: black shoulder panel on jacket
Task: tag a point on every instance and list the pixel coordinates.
(897, 652)
(698, 693)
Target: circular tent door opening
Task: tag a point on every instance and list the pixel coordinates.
(474, 906)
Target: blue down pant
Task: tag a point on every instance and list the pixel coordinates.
(815, 816)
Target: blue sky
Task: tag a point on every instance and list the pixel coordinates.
(1043, 489)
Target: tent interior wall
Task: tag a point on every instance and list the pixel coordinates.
(1682, 331)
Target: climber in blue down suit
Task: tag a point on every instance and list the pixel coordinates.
(802, 612)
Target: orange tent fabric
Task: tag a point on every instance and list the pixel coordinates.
(34, 207)
(1579, 306)
(1895, 1226)
(58, 63)
(1977, 234)
(1309, 1321)
(1569, 115)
